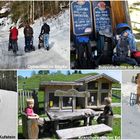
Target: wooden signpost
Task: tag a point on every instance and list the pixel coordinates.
(81, 17)
(72, 93)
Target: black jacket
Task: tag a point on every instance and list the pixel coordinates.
(45, 29)
(108, 110)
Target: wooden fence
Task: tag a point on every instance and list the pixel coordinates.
(22, 97)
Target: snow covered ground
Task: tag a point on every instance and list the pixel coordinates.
(8, 113)
(130, 114)
(57, 57)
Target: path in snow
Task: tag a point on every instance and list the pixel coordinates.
(57, 57)
(130, 114)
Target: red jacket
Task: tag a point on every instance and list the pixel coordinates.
(14, 33)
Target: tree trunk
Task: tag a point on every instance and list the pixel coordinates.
(56, 6)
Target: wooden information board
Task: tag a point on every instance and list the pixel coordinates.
(102, 15)
(82, 17)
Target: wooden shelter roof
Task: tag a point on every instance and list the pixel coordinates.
(96, 77)
(58, 83)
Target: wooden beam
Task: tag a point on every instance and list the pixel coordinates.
(118, 13)
(71, 93)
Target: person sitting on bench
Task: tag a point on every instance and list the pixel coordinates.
(29, 110)
(107, 111)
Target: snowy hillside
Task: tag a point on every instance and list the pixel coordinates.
(8, 113)
(130, 114)
(57, 57)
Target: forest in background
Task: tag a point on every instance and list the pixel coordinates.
(23, 11)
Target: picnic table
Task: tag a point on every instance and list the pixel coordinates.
(67, 115)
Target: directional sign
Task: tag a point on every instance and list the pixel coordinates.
(81, 17)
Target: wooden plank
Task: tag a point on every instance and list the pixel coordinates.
(69, 115)
(72, 93)
(83, 131)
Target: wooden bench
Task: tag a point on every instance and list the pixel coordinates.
(83, 131)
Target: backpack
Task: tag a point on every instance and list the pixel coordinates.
(122, 47)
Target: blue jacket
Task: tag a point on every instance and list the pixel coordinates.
(131, 40)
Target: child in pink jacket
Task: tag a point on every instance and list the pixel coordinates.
(29, 110)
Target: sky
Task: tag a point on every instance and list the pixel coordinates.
(116, 74)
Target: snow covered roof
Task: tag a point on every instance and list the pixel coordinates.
(95, 77)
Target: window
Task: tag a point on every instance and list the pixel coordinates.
(67, 101)
(105, 85)
(53, 100)
(103, 95)
(92, 100)
(92, 85)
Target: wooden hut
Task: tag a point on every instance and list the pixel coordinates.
(98, 87)
(57, 102)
